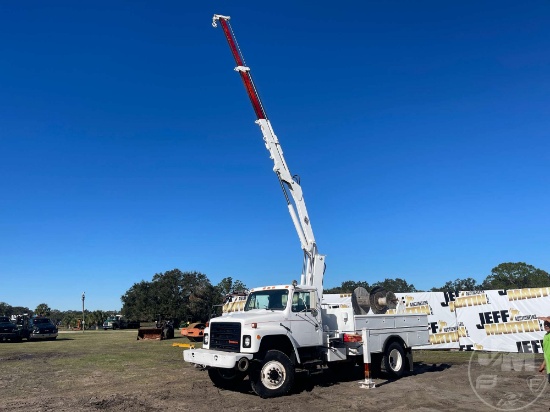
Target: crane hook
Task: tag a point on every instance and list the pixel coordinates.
(217, 17)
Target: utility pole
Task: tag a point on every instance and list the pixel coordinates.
(83, 297)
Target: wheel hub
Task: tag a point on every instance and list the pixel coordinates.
(395, 360)
(273, 375)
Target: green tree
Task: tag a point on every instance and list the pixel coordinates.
(55, 316)
(347, 286)
(516, 276)
(96, 318)
(227, 285)
(70, 318)
(174, 294)
(5, 309)
(396, 285)
(468, 284)
(138, 303)
(42, 310)
(21, 310)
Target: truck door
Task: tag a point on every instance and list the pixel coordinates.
(305, 318)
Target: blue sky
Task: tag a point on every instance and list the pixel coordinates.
(420, 131)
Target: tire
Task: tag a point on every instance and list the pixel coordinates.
(225, 378)
(168, 333)
(273, 376)
(376, 364)
(394, 361)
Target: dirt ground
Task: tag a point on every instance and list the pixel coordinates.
(480, 383)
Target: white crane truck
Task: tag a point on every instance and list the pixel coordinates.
(288, 328)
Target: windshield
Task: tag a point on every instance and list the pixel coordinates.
(37, 321)
(274, 299)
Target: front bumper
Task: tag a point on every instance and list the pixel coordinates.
(9, 336)
(43, 335)
(214, 358)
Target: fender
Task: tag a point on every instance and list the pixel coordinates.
(280, 342)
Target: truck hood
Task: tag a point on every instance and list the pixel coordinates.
(47, 327)
(256, 315)
(7, 326)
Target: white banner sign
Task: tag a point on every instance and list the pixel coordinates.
(444, 330)
(492, 320)
(503, 321)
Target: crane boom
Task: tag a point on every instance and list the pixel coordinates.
(314, 263)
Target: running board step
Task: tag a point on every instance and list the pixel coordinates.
(312, 364)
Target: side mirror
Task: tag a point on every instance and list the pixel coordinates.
(314, 312)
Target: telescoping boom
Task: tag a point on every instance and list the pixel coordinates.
(314, 263)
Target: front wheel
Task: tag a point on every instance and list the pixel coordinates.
(274, 376)
(394, 360)
(225, 378)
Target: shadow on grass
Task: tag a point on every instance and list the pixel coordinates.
(304, 382)
(45, 340)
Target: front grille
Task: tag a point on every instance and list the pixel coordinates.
(225, 336)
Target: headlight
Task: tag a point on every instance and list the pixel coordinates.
(205, 339)
(36, 330)
(247, 341)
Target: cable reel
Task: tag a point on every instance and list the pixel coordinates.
(379, 300)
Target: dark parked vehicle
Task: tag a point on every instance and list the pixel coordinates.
(114, 322)
(40, 328)
(8, 330)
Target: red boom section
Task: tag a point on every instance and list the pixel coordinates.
(245, 75)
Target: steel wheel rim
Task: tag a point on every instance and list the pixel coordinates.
(273, 375)
(395, 360)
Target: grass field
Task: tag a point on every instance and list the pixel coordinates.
(83, 358)
(116, 351)
(113, 371)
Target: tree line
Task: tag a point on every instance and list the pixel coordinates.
(180, 296)
(191, 297)
(68, 319)
(509, 275)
